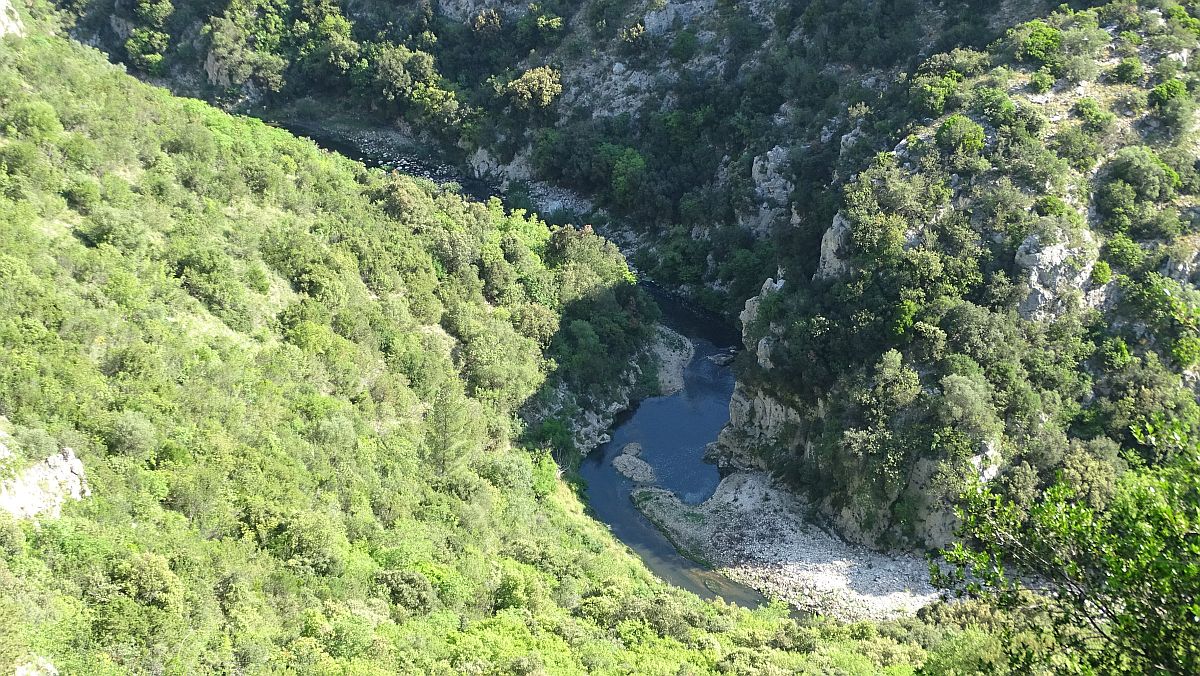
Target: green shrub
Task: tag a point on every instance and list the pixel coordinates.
(1039, 42)
(1095, 118)
(34, 120)
(1124, 253)
(1130, 70)
(959, 134)
(408, 589)
(1168, 91)
(1042, 81)
(685, 45)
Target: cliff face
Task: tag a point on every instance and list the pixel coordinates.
(767, 426)
(10, 21)
(40, 489)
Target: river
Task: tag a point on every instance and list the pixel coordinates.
(673, 430)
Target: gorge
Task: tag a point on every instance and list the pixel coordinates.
(268, 408)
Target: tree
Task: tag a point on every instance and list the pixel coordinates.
(450, 430)
(145, 48)
(1130, 70)
(1166, 92)
(535, 88)
(1118, 588)
(1039, 42)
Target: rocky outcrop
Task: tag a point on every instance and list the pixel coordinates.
(629, 464)
(673, 352)
(43, 488)
(749, 315)
(758, 424)
(217, 71)
(1054, 269)
(486, 166)
(758, 421)
(1183, 265)
(675, 15)
(36, 666)
(835, 260)
(587, 418)
(464, 10)
(772, 191)
(10, 21)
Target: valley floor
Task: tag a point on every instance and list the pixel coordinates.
(755, 531)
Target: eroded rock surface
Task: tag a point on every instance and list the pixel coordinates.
(10, 21)
(673, 352)
(42, 488)
(1055, 269)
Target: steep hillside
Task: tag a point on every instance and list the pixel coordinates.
(302, 390)
(292, 386)
(708, 133)
(1008, 293)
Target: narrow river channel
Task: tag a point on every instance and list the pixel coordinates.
(673, 430)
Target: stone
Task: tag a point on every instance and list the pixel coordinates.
(43, 488)
(772, 189)
(675, 14)
(10, 21)
(635, 468)
(749, 312)
(834, 261)
(1053, 268)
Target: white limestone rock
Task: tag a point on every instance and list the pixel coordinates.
(676, 14)
(1054, 267)
(43, 488)
(772, 191)
(834, 261)
(10, 21)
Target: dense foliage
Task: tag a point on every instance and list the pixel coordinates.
(1123, 576)
(294, 385)
(1018, 261)
(1011, 294)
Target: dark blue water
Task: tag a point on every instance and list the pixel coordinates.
(673, 432)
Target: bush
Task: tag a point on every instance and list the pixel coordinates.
(148, 578)
(959, 134)
(535, 88)
(1095, 118)
(314, 541)
(1130, 70)
(408, 589)
(1167, 92)
(1041, 81)
(685, 46)
(1077, 147)
(1039, 42)
(34, 120)
(1124, 253)
(132, 434)
(1150, 177)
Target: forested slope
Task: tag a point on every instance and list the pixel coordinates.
(296, 384)
(1009, 291)
(293, 384)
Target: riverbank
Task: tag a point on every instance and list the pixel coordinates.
(757, 533)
